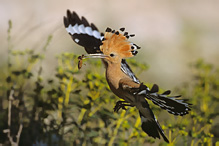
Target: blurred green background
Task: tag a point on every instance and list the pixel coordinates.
(58, 105)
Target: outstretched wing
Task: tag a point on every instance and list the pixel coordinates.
(170, 103)
(83, 33)
(87, 35)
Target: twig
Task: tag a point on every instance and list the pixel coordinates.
(19, 133)
(8, 131)
(9, 116)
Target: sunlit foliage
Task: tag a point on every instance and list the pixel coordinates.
(76, 107)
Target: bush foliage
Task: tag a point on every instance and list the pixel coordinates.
(76, 107)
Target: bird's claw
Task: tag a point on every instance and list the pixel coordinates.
(118, 106)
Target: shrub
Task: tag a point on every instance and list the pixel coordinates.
(76, 107)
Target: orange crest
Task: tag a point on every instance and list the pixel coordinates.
(116, 42)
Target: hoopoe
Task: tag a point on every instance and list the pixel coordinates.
(88, 36)
(114, 48)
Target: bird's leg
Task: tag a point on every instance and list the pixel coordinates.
(121, 104)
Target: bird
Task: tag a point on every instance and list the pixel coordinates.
(113, 49)
(88, 36)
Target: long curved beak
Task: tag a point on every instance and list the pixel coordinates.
(99, 55)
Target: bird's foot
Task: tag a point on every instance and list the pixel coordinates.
(119, 105)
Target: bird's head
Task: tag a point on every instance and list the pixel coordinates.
(115, 46)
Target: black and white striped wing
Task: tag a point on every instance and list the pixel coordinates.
(127, 70)
(88, 36)
(172, 104)
(83, 33)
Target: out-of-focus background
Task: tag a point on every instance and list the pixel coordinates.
(46, 100)
(172, 34)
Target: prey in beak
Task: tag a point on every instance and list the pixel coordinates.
(80, 58)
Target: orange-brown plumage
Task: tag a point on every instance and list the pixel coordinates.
(117, 43)
(122, 81)
(115, 47)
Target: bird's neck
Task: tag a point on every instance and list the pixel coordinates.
(113, 70)
(113, 75)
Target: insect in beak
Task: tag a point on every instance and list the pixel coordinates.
(80, 58)
(80, 62)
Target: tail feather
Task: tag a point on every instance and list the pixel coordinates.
(149, 123)
(152, 128)
(161, 131)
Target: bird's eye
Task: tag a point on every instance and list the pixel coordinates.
(112, 55)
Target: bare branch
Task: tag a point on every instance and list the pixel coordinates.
(9, 116)
(19, 133)
(8, 131)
